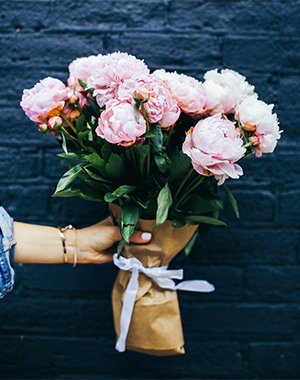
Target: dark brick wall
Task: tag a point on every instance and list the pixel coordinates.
(58, 323)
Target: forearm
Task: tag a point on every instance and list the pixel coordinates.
(40, 244)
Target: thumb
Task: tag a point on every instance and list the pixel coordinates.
(140, 237)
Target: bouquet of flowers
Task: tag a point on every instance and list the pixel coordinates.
(157, 147)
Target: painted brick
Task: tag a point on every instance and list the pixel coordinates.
(18, 164)
(14, 123)
(289, 124)
(228, 281)
(289, 207)
(27, 50)
(171, 50)
(273, 284)
(248, 246)
(20, 196)
(253, 206)
(91, 281)
(234, 16)
(262, 53)
(244, 321)
(275, 360)
(58, 321)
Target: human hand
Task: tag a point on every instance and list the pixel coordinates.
(97, 244)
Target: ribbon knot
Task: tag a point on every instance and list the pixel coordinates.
(162, 276)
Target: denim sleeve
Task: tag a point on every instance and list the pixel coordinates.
(7, 242)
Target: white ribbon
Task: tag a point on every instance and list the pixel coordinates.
(162, 276)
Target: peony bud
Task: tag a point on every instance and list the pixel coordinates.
(55, 123)
(73, 99)
(43, 128)
(254, 140)
(141, 95)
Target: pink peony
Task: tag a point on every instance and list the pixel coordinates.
(112, 70)
(225, 90)
(160, 108)
(256, 116)
(118, 125)
(81, 68)
(188, 92)
(45, 100)
(214, 148)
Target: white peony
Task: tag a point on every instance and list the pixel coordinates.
(256, 116)
(225, 90)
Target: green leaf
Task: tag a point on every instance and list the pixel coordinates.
(97, 162)
(80, 124)
(147, 135)
(64, 143)
(129, 213)
(94, 106)
(71, 156)
(121, 191)
(124, 189)
(206, 203)
(142, 153)
(109, 197)
(187, 249)
(164, 202)
(120, 246)
(95, 176)
(82, 136)
(157, 141)
(139, 202)
(178, 223)
(82, 190)
(93, 146)
(106, 152)
(205, 219)
(136, 112)
(129, 217)
(181, 165)
(162, 161)
(232, 200)
(68, 177)
(82, 83)
(115, 168)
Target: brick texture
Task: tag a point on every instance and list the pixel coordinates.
(57, 323)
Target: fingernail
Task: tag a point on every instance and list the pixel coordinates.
(146, 235)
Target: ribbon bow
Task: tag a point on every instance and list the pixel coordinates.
(162, 276)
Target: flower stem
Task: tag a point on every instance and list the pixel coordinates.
(148, 140)
(71, 137)
(183, 182)
(169, 135)
(79, 108)
(68, 122)
(248, 144)
(133, 158)
(189, 190)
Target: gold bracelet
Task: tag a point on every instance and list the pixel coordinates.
(62, 234)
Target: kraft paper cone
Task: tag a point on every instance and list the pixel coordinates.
(155, 327)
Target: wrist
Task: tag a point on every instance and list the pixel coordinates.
(68, 236)
(78, 245)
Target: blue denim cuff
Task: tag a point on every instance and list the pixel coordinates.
(7, 242)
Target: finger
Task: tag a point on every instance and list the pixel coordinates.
(140, 237)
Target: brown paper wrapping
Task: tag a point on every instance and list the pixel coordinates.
(155, 326)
